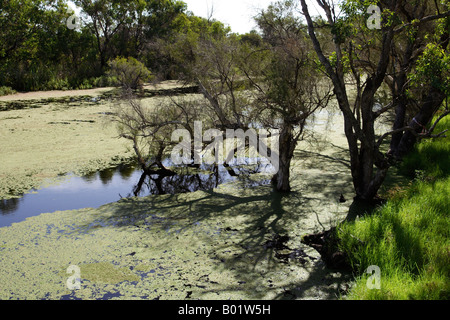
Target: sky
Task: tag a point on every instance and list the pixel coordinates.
(238, 14)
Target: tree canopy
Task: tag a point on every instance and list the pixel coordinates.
(39, 51)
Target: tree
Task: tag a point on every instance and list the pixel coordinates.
(368, 63)
(288, 85)
(173, 56)
(150, 21)
(426, 86)
(105, 20)
(273, 85)
(149, 128)
(31, 42)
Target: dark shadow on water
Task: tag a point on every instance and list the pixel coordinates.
(240, 248)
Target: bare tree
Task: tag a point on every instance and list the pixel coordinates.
(288, 88)
(275, 86)
(149, 127)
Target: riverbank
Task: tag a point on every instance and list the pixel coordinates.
(408, 238)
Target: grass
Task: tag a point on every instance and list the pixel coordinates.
(407, 238)
(430, 157)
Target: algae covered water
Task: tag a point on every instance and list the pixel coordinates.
(111, 185)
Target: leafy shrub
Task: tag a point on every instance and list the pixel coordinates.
(4, 91)
(104, 81)
(55, 84)
(130, 73)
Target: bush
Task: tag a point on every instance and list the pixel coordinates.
(4, 91)
(130, 73)
(104, 81)
(55, 84)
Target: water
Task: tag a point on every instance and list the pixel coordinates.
(113, 184)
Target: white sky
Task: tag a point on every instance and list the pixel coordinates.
(238, 14)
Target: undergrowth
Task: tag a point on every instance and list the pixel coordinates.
(408, 237)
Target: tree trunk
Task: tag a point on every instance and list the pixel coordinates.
(429, 106)
(286, 152)
(400, 111)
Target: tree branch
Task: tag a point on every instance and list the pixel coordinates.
(428, 134)
(378, 113)
(384, 136)
(446, 113)
(422, 21)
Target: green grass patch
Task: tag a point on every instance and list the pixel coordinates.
(430, 157)
(407, 238)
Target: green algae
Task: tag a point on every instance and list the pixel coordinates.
(37, 148)
(208, 244)
(104, 272)
(201, 245)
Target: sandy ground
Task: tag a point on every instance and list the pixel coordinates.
(201, 245)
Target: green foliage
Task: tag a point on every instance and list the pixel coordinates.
(430, 156)
(129, 72)
(408, 238)
(252, 38)
(38, 51)
(433, 68)
(32, 38)
(342, 30)
(4, 91)
(173, 57)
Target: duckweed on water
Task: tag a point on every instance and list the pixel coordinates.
(208, 243)
(199, 245)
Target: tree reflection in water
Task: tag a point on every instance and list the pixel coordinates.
(184, 180)
(8, 206)
(127, 180)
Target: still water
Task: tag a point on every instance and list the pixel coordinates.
(111, 185)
